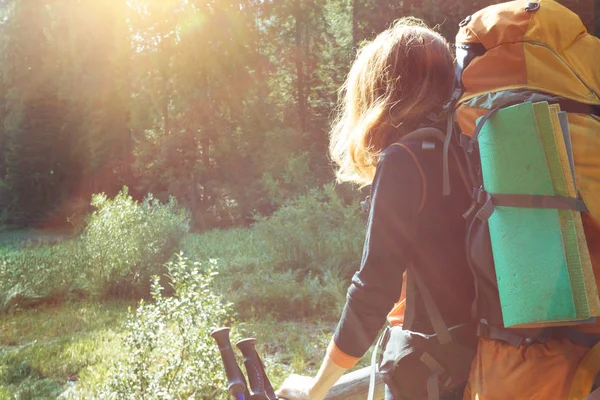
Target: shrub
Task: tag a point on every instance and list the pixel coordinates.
(170, 352)
(287, 295)
(315, 232)
(40, 273)
(236, 247)
(127, 242)
(124, 243)
(291, 265)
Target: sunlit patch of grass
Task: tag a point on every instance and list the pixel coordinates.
(44, 350)
(256, 286)
(238, 247)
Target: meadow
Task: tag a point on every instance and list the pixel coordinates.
(123, 308)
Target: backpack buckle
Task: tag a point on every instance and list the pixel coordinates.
(467, 143)
(449, 106)
(485, 330)
(532, 6)
(365, 205)
(479, 195)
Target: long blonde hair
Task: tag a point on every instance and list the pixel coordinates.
(400, 77)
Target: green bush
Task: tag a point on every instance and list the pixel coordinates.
(287, 295)
(235, 247)
(170, 352)
(40, 273)
(315, 232)
(127, 242)
(123, 244)
(291, 265)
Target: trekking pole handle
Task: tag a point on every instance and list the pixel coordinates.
(260, 387)
(237, 384)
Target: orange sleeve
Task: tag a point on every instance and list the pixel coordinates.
(340, 358)
(396, 316)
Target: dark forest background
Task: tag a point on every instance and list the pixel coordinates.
(224, 104)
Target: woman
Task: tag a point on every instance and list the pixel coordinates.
(397, 82)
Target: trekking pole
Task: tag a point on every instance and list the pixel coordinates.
(237, 384)
(260, 386)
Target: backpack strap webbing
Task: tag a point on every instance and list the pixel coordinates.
(538, 201)
(435, 316)
(569, 106)
(505, 335)
(520, 336)
(577, 107)
(373, 373)
(434, 133)
(491, 200)
(443, 335)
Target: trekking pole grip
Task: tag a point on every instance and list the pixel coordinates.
(237, 384)
(260, 387)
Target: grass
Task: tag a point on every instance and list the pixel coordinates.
(292, 314)
(287, 297)
(238, 247)
(15, 237)
(257, 286)
(45, 350)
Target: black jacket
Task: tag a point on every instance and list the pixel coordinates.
(409, 222)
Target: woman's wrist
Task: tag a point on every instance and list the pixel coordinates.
(328, 375)
(315, 392)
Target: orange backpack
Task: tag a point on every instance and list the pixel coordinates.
(506, 54)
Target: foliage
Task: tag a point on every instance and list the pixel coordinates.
(170, 352)
(204, 100)
(74, 349)
(287, 295)
(47, 273)
(44, 351)
(234, 248)
(126, 242)
(294, 264)
(316, 231)
(64, 118)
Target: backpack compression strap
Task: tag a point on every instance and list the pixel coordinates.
(569, 106)
(490, 200)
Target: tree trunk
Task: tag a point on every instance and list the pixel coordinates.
(193, 196)
(301, 101)
(262, 87)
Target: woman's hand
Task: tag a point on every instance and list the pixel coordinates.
(296, 387)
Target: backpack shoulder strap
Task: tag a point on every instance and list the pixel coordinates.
(432, 133)
(435, 316)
